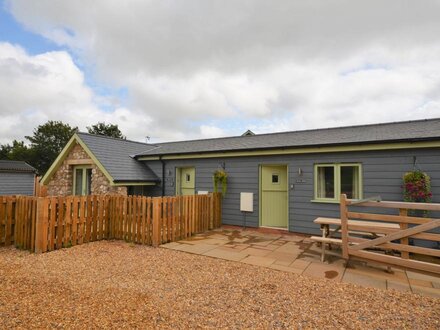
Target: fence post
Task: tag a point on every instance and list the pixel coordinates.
(211, 212)
(156, 221)
(344, 226)
(218, 209)
(404, 241)
(17, 226)
(41, 227)
(108, 217)
(219, 203)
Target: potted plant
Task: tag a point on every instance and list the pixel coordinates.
(220, 177)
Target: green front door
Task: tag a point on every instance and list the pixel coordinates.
(186, 181)
(274, 210)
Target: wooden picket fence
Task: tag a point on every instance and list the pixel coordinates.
(17, 221)
(49, 223)
(40, 190)
(155, 221)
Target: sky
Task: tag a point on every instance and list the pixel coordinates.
(178, 70)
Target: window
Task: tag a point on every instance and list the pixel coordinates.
(275, 179)
(350, 181)
(188, 177)
(82, 180)
(139, 190)
(325, 182)
(332, 180)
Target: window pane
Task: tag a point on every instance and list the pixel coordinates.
(275, 178)
(350, 181)
(326, 182)
(138, 190)
(78, 181)
(89, 181)
(135, 190)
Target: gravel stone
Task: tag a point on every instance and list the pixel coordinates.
(112, 284)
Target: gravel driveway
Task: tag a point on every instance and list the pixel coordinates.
(118, 285)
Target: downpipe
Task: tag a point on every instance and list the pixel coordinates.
(163, 175)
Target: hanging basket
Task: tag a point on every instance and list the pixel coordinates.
(220, 177)
(417, 188)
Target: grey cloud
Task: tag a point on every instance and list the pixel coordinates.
(185, 36)
(288, 64)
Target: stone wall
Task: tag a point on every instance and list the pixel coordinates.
(101, 185)
(61, 183)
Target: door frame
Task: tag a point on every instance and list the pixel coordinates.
(260, 193)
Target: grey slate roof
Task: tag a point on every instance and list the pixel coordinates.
(409, 131)
(115, 156)
(15, 166)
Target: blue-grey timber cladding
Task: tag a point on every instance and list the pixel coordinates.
(16, 183)
(382, 175)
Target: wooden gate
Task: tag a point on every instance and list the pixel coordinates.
(394, 242)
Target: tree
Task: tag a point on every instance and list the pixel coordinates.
(48, 141)
(5, 149)
(17, 151)
(106, 129)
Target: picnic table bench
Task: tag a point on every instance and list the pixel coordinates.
(357, 227)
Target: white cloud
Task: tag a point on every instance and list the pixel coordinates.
(49, 86)
(34, 89)
(283, 66)
(208, 131)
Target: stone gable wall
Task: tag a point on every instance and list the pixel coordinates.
(61, 183)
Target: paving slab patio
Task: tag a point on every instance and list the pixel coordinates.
(364, 280)
(258, 261)
(298, 254)
(392, 285)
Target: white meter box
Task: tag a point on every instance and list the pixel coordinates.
(246, 202)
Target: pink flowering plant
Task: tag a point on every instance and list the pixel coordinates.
(417, 187)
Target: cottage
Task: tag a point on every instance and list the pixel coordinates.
(17, 178)
(95, 164)
(294, 177)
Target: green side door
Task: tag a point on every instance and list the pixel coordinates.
(274, 196)
(186, 181)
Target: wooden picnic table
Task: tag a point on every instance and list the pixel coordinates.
(357, 227)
